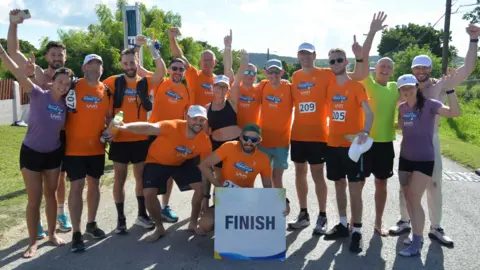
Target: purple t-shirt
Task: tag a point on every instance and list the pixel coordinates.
(45, 120)
(417, 128)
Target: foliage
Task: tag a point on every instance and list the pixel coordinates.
(473, 16)
(25, 47)
(403, 61)
(402, 36)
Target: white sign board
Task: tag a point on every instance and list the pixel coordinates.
(249, 224)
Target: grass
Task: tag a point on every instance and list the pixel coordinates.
(13, 197)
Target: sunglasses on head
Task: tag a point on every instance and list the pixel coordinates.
(180, 69)
(338, 60)
(249, 72)
(275, 71)
(252, 139)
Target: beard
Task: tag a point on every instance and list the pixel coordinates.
(427, 77)
(248, 148)
(56, 64)
(131, 73)
(340, 72)
(196, 128)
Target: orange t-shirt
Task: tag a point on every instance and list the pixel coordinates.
(241, 169)
(345, 111)
(170, 101)
(132, 109)
(309, 93)
(276, 115)
(200, 85)
(172, 147)
(84, 127)
(249, 103)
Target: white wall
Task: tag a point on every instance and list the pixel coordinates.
(11, 110)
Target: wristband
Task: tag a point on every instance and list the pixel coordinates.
(450, 91)
(208, 196)
(474, 40)
(359, 60)
(31, 76)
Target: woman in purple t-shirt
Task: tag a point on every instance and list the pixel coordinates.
(41, 152)
(416, 117)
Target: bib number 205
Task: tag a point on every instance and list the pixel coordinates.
(339, 116)
(307, 107)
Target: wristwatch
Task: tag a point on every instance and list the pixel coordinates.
(359, 60)
(449, 92)
(207, 196)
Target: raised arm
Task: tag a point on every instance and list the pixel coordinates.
(140, 40)
(154, 48)
(227, 57)
(143, 128)
(13, 46)
(20, 75)
(375, 26)
(453, 108)
(357, 73)
(174, 47)
(367, 126)
(235, 93)
(470, 60)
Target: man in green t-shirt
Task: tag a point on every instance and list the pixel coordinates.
(379, 159)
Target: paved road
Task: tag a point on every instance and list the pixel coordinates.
(181, 250)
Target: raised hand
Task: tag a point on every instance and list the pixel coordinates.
(356, 48)
(29, 68)
(140, 40)
(173, 32)
(473, 31)
(14, 13)
(227, 40)
(377, 22)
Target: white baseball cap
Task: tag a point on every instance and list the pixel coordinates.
(356, 150)
(197, 110)
(274, 63)
(221, 79)
(422, 61)
(407, 79)
(306, 47)
(91, 57)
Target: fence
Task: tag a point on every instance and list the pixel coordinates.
(14, 103)
(7, 89)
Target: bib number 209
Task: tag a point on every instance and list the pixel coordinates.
(229, 184)
(307, 107)
(339, 116)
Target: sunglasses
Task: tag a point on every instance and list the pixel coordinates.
(252, 139)
(338, 60)
(249, 72)
(180, 69)
(271, 72)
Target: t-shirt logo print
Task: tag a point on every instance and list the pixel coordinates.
(242, 167)
(91, 101)
(246, 98)
(339, 98)
(183, 151)
(131, 95)
(173, 96)
(408, 118)
(55, 111)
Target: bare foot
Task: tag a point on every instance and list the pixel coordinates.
(31, 251)
(157, 234)
(196, 229)
(57, 241)
(382, 232)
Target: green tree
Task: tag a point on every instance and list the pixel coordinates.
(473, 16)
(25, 47)
(402, 36)
(403, 61)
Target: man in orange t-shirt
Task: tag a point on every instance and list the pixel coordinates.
(241, 165)
(199, 82)
(350, 114)
(126, 147)
(276, 119)
(89, 109)
(179, 147)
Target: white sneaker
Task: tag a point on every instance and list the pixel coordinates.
(408, 241)
(321, 227)
(145, 223)
(439, 235)
(302, 220)
(400, 228)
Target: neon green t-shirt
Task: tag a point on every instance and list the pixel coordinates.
(383, 101)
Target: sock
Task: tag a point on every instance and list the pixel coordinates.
(323, 214)
(61, 209)
(357, 227)
(120, 210)
(142, 211)
(304, 210)
(343, 220)
(416, 242)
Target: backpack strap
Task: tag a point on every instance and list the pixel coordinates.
(120, 86)
(142, 93)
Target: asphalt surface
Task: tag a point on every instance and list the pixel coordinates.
(181, 250)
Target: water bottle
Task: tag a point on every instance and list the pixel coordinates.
(115, 122)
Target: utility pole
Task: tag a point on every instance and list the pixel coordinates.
(268, 54)
(446, 35)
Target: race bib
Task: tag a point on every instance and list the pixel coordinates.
(71, 101)
(230, 184)
(339, 116)
(307, 107)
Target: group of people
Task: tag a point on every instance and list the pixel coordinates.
(225, 130)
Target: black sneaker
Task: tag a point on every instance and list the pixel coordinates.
(94, 231)
(356, 244)
(337, 232)
(77, 242)
(121, 226)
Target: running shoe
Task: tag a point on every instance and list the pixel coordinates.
(356, 243)
(94, 231)
(337, 232)
(145, 222)
(439, 235)
(121, 226)
(401, 228)
(64, 223)
(321, 227)
(302, 220)
(77, 242)
(169, 215)
(41, 233)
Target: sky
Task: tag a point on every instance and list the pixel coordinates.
(280, 25)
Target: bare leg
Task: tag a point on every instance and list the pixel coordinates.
(320, 186)
(33, 184)
(196, 206)
(75, 203)
(154, 208)
(93, 197)
(50, 184)
(277, 177)
(380, 201)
